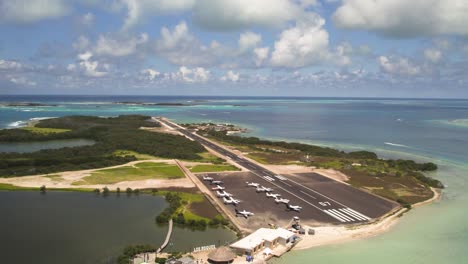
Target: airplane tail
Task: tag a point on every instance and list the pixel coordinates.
(237, 211)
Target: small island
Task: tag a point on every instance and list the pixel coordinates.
(136, 154)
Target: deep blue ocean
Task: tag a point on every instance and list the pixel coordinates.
(420, 129)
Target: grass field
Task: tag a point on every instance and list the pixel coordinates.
(139, 156)
(140, 171)
(213, 168)
(40, 130)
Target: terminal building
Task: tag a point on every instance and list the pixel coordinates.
(266, 241)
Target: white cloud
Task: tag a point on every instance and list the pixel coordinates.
(237, 14)
(434, 55)
(30, 11)
(81, 43)
(249, 40)
(198, 74)
(139, 10)
(22, 81)
(170, 40)
(403, 18)
(90, 68)
(180, 47)
(118, 47)
(302, 45)
(10, 65)
(150, 74)
(231, 76)
(87, 19)
(261, 54)
(398, 66)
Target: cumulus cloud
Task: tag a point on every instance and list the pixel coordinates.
(198, 74)
(81, 43)
(301, 45)
(398, 66)
(87, 19)
(181, 48)
(150, 74)
(30, 11)
(231, 76)
(249, 40)
(139, 10)
(238, 14)
(90, 68)
(9, 65)
(403, 18)
(434, 55)
(261, 54)
(119, 46)
(22, 81)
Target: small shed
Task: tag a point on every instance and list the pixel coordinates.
(221, 255)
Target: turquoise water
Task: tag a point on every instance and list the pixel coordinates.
(417, 129)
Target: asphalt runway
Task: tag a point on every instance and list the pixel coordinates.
(322, 199)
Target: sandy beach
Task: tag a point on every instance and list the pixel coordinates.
(328, 235)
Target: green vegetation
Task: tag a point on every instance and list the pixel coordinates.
(137, 172)
(110, 135)
(131, 251)
(138, 156)
(179, 211)
(44, 130)
(210, 158)
(10, 187)
(399, 180)
(213, 168)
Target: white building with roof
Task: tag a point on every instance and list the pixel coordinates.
(264, 238)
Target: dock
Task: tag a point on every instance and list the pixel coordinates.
(168, 236)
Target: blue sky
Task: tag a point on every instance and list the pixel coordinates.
(361, 48)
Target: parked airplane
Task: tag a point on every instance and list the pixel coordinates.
(263, 189)
(216, 182)
(218, 188)
(296, 208)
(273, 195)
(205, 178)
(244, 213)
(223, 194)
(253, 184)
(231, 200)
(281, 200)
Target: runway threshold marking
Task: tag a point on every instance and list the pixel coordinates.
(330, 213)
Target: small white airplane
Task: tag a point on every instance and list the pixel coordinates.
(263, 189)
(206, 178)
(223, 194)
(273, 195)
(216, 182)
(281, 200)
(253, 184)
(296, 208)
(244, 213)
(218, 188)
(231, 200)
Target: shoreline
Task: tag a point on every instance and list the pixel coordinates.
(332, 235)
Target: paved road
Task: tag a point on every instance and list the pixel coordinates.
(335, 210)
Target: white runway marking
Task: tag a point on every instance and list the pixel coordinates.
(287, 184)
(342, 215)
(268, 178)
(359, 214)
(335, 216)
(281, 177)
(308, 194)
